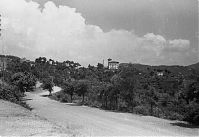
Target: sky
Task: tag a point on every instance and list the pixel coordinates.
(153, 32)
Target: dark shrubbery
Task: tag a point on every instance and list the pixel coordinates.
(12, 93)
(174, 116)
(192, 114)
(60, 96)
(48, 85)
(16, 79)
(24, 81)
(141, 110)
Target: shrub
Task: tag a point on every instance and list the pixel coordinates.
(12, 93)
(174, 116)
(158, 112)
(141, 110)
(192, 114)
(60, 96)
(64, 98)
(95, 103)
(24, 81)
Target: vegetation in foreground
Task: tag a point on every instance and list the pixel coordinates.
(15, 81)
(170, 92)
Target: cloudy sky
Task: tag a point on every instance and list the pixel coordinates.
(155, 32)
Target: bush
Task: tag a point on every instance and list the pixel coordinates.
(174, 116)
(95, 103)
(64, 98)
(192, 115)
(24, 81)
(141, 110)
(60, 96)
(10, 93)
(157, 112)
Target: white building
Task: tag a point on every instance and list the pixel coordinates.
(113, 65)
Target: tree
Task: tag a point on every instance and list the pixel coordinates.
(82, 88)
(115, 80)
(91, 67)
(192, 113)
(129, 83)
(105, 89)
(10, 93)
(25, 67)
(76, 65)
(151, 98)
(30, 81)
(24, 81)
(193, 92)
(48, 85)
(69, 88)
(40, 60)
(100, 66)
(14, 65)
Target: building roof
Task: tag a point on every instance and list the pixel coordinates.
(113, 62)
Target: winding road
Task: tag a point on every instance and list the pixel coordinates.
(87, 121)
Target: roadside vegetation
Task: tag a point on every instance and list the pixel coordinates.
(15, 80)
(170, 92)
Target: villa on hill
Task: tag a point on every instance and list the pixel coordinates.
(113, 65)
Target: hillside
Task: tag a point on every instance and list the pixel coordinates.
(175, 69)
(194, 66)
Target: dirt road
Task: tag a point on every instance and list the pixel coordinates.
(18, 121)
(92, 121)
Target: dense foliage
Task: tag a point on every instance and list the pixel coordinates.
(48, 85)
(15, 80)
(167, 93)
(163, 91)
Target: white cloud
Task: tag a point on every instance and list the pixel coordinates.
(179, 44)
(61, 33)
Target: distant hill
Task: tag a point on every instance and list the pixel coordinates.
(175, 69)
(194, 66)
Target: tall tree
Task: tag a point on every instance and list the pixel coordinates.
(48, 85)
(69, 88)
(82, 88)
